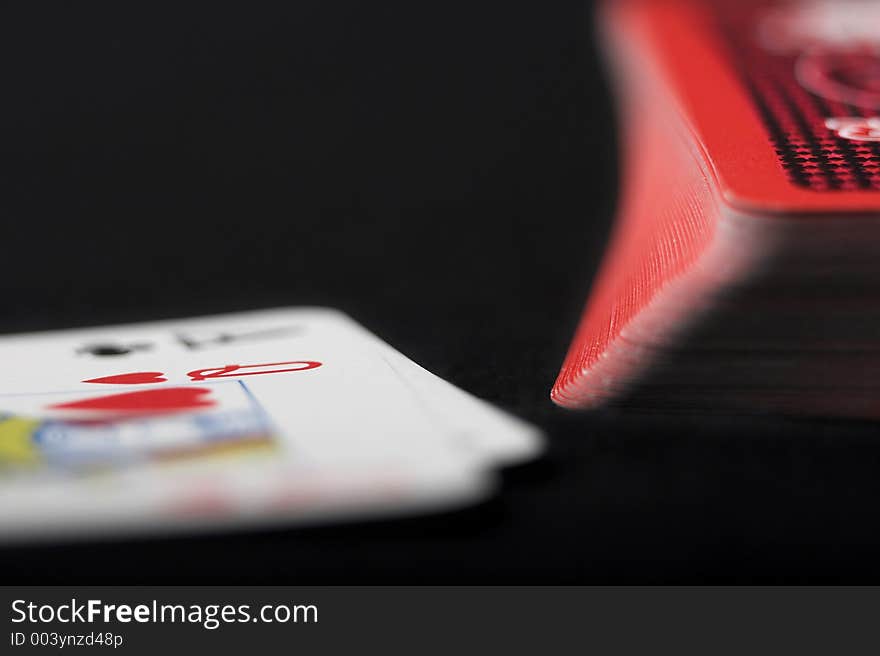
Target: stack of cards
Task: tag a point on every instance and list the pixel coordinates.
(743, 271)
(274, 417)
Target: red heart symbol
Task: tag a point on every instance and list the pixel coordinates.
(154, 401)
(136, 378)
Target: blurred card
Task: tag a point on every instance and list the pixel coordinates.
(481, 429)
(741, 274)
(279, 416)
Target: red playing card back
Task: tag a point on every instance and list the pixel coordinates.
(780, 95)
(757, 108)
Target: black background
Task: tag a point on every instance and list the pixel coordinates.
(444, 172)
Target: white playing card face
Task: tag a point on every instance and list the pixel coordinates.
(488, 434)
(273, 416)
(481, 429)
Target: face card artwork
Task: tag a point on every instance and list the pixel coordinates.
(100, 430)
(273, 416)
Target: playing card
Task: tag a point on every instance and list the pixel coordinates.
(484, 431)
(781, 96)
(275, 416)
(742, 269)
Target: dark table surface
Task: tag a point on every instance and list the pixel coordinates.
(445, 173)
